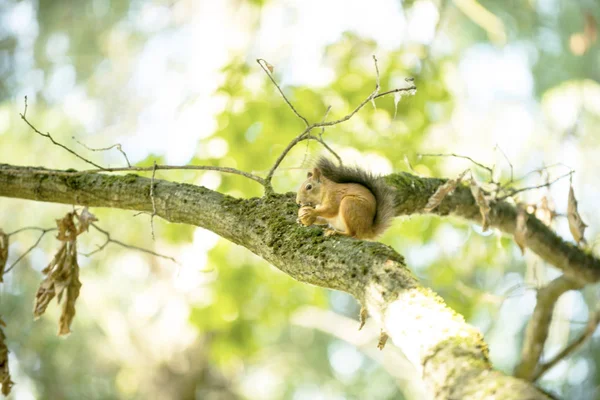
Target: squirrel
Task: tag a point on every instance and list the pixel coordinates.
(350, 200)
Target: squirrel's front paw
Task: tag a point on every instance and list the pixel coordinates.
(307, 215)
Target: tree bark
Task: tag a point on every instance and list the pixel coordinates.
(450, 354)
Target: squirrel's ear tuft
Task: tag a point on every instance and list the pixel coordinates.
(309, 174)
(316, 174)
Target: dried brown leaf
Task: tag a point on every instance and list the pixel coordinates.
(483, 203)
(66, 228)
(383, 337)
(43, 296)
(85, 219)
(442, 191)
(269, 67)
(5, 380)
(62, 273)
(576, 224)
(72, 293)
(521, 229)
(3, 253)
(363, 317)
(544, 211)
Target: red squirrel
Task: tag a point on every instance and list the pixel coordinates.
(350, 200)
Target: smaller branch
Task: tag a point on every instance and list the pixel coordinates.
(109, 239)
(398, 90)
(587, 333)
(547, 184)
(47, 135)
(37, 242)
(268, 68)
(508, 161)
(302, 136)
(323, 120)
(305, 134)
(27, 228)
(329, 149)
(539, 170)
(117, 146)
(480, 165)
(153, 201)
(538, 326)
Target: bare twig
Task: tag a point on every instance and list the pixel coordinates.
(508, 161)
(28, 228)
(539, 325)
(109, 239)
(547, 184)
(37, 242)
(153, 201)
(267, 68)
(305, 134)
(587, 333)
(480, 165)
(47, 135)
(302, 136)
(114, 146)
(329, 149)
(539, 170)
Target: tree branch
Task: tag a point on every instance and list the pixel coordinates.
(450, 354)
(587, 333)
(413, 193)
(539, 326)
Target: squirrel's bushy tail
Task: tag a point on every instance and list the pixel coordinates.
(385, 195)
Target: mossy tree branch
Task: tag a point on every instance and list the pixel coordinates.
(450, 353)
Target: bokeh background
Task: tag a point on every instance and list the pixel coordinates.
(177, 82)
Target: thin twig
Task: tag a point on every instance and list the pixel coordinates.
(37, 242)
(302, 136)
(480, 165)
(47, 135)
(508, 161)
(547, 184)
(398, 90)
(267, 68)
(153, 201)
(27, 228)
(329, 149)
(305, 134)
(539, 170)
(323, 120)
(116, 145)
(587, 333)
(109, 239)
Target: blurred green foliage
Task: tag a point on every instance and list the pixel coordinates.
(137, 334)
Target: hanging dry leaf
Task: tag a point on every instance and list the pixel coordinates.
(363, 317)
(521, 229)
(576, 224)
(66, 228)
(442, 191)
(62, 274)
(72, 293)
(544, 211)
(483, 203)
(85, 219)
(269, 66)
(3, 253)
(5, 380)
(383, 337)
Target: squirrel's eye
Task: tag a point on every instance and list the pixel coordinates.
(308, 187)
